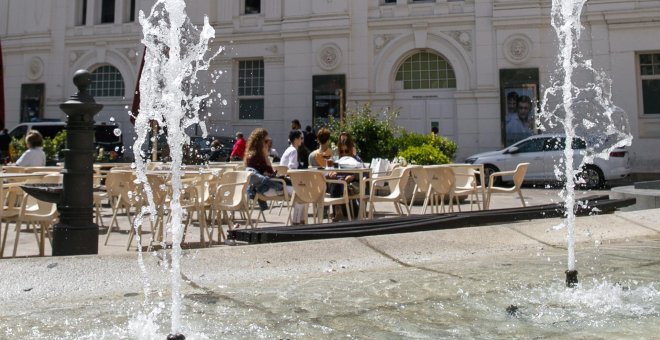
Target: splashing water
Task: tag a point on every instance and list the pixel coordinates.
(579, 101)
(175, 52)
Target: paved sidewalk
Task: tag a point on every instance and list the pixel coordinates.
(118, 239)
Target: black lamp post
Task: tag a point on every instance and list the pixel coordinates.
(76, 233)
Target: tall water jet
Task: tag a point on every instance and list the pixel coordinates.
(175, 52)
(578, 101)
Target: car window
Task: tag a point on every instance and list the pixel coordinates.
(49, 131)
(532, 145)
(106, 134)
(554, 144)
(579, 144)
(559, 144)
(19, 132)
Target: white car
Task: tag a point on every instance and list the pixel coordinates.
(544, 152)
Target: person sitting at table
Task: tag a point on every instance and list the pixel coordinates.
(320, 156)
(272, 152)
(347, 153)
(257, 162)
(34, 155)
(290, 156)
(290, 160)
(216, 151)
(346, 147)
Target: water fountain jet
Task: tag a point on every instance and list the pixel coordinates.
(175, 51)
(579, 102)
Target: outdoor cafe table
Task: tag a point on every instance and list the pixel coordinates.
(362, 174)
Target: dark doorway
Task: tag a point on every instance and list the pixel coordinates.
(328, 98)
(32, 102)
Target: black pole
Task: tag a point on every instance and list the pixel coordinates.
(571, 278)
(76, 233)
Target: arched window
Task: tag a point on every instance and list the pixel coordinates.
(107, 82)
(425, 70)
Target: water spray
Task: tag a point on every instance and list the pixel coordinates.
(578, 103)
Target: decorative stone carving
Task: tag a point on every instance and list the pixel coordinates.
(329, 57)
(517, 48)
(73, 57)
(381, 40)
(272, 49)
(132, 54)
(464, 38)
(35, 68)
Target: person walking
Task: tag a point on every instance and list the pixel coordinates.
(238, 151)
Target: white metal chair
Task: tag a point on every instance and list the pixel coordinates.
(230, 196)
(418, 174)
(282, 198)
(441, 184)
(466, 183)
(35, 212)
(397, 182)
(518, 178)
(309, 187)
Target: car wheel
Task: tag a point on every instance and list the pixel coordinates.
(488, 170)
(592, 177)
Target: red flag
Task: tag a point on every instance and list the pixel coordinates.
(135, 108)
(2, 90)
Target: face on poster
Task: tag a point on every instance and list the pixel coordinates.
(520, 117)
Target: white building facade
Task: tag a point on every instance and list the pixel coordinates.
(444, 63)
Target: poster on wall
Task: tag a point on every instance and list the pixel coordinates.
(519, 98)
(519, 122)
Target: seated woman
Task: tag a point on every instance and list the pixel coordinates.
(347, 152)
(346, 147)
(256, 160)
(34, 155)
(320, 156)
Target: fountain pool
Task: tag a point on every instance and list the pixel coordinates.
(440, 284)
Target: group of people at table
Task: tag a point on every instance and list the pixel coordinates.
(257, 161)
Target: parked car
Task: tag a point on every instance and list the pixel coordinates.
(543, 152)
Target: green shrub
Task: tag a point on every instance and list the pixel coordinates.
(372, 133)
(18, 146)
(412, 139)
(424, 155)
(53, 147)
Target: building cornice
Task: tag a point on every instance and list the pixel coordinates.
(28, 42)
(452, 19)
